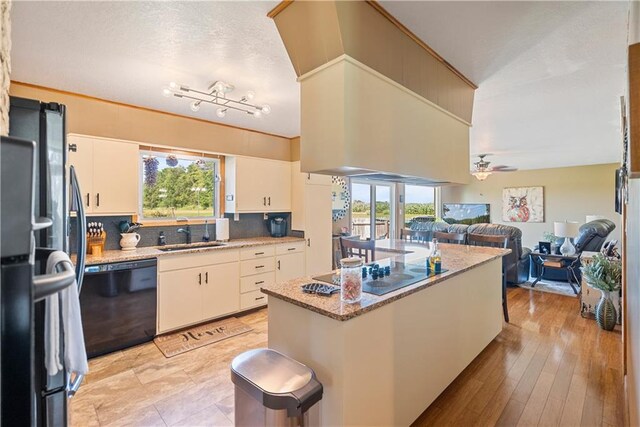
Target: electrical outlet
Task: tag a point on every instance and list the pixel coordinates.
(229, 197)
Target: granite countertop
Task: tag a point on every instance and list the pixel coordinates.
(456, 259)
(154, 252)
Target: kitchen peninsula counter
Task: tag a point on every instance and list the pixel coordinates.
(384, 360)
(456, 259)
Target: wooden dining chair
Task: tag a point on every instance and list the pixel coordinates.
(359, 248)
(421, 236)
(407, 234)
(445, 237)
(496, 241)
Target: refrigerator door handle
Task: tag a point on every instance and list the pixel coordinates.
(78, 204)
(41, 223)
(49, 284)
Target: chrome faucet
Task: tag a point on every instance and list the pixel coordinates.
(187, 231)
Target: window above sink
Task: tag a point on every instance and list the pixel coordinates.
(178, 185)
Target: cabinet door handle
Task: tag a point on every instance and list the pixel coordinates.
(309, 177)
(199, 278)
(264, 201)
(278, 264)
(87, 199)
(259, 298)
(309, 242)
(269, 201)
(291, 249)
(259, 266)
(98, 199)
(259, 253)
(206, 277)
(260, 282)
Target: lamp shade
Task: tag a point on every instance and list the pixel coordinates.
(565, 229)
(590, 218)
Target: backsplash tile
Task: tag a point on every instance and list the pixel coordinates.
(249, 225)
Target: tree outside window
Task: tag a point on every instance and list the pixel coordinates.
(178, 186)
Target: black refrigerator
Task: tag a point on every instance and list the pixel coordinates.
(38, 194)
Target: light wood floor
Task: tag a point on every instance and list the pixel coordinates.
(549, 366)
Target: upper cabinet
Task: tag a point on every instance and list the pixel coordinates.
(107, 170)
(257, 185)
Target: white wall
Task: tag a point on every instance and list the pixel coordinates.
(632, 291)
(569, 194)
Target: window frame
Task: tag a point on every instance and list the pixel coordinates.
(372, 204)
(218, 173)
(436, 204)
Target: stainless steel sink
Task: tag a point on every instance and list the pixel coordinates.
(184, 247)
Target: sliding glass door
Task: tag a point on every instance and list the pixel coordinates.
(372, 210)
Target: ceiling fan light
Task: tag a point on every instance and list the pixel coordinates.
(221, 112)
(174, 86)
(195, 106)
(481, 176)
(166, 92)
(250, 95)
(257, 114)
(266, 109)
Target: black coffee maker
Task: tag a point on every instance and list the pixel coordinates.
(277, 226)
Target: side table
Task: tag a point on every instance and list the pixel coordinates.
(558, 262)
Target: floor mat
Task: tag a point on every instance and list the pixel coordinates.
(189, 339)
(562, 288)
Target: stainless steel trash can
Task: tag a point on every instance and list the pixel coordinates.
(272, 389)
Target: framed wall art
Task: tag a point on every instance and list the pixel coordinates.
(523, 204)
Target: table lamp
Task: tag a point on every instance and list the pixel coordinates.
(567, 230)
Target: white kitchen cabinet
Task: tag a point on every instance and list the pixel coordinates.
(290, 266)
(81, 158)
(220, 290)
(107, 170)
(194, 288)
(179, 298)
(311, 213)
(252, 299)
(319, 232)
(257, 185)
(299, 186)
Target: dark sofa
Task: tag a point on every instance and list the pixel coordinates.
(516, 263)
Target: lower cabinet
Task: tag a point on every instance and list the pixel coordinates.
(179, 298)
(289, 266)
(208, 288)
(194, 288)
(220, 290)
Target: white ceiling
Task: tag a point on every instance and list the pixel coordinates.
(549, 73)
(127, 51)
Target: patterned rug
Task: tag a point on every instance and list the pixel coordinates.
(562, 288)
(198, 336)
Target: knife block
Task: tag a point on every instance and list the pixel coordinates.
(95, 244)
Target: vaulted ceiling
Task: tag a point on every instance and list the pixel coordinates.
(549, 73)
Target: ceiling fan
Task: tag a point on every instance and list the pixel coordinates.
(482, 170)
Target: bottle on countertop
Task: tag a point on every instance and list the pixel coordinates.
(206, 237)
(162, 239)
(435, 260)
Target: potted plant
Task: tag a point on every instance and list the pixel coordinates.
(604, 274)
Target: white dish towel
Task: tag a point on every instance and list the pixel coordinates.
(65, 305)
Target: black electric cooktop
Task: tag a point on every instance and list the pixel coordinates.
(401, 275)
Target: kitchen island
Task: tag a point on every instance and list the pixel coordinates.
(384, 360)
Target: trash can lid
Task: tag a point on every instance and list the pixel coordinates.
(276, 380)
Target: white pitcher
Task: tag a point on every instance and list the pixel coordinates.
(129, 241)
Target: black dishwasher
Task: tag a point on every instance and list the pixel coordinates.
(118, 303)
